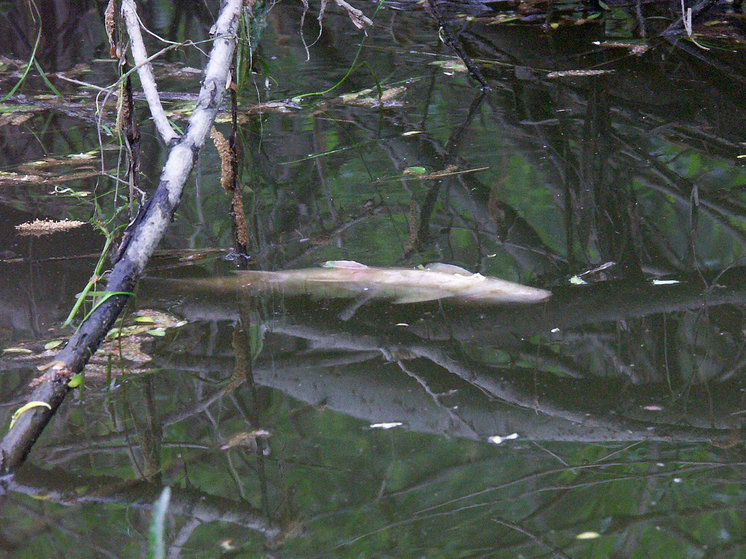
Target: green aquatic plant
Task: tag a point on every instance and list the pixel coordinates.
(157, 540)
(353, 67)
(36, 17)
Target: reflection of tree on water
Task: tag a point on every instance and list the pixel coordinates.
(58, 485)
(571, 340)
(629, 168)
(370, 369)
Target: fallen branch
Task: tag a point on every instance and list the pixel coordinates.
(152, 221)
(145, 71)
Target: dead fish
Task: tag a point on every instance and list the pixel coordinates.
(348, 279)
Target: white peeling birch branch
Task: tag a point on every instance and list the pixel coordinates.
(145, 71)
(146, 232)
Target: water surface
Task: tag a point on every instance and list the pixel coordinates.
(604, 423)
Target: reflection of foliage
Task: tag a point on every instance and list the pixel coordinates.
(363, 490)
(582, 171)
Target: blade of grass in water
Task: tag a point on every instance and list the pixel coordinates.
(354, 66)
(157, 542)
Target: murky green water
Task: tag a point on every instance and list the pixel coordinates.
(605, 423)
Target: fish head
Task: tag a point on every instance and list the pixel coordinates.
(496, 291)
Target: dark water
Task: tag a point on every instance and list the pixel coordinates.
(302, 428)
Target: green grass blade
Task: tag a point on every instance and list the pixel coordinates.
(89, 287)
(157, 540)
(43, 75)
(22, 79)
(354, 66)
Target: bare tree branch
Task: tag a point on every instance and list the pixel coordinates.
(149, 228)
(145, 71)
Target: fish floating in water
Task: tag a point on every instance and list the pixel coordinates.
(347, 279)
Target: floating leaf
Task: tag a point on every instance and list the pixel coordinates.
(40, 497)
(246, 439)
(76, 381)
(59, 365)
(160, 332)
(23, 409)
(22, 350)
(144, 319)
(384, 426)
(451, 65)
(578, 73)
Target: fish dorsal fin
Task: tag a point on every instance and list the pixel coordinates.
(346, 264)
(447, 269)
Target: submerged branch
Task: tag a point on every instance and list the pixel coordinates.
(59, 486)
(52, 387)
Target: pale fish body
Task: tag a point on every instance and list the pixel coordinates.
(340, 279)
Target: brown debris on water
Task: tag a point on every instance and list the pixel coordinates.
(577, 73)
(246, 439)
(40, 227)
(15, 119)
(386, 98)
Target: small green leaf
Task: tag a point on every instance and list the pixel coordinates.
(157, 332)
(256, 340)
(144, 320)
(415, 170)
(76, 381)
(53, 344)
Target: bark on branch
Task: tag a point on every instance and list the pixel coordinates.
(145, 71)
(52, 387)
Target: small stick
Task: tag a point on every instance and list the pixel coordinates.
(450, 39)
